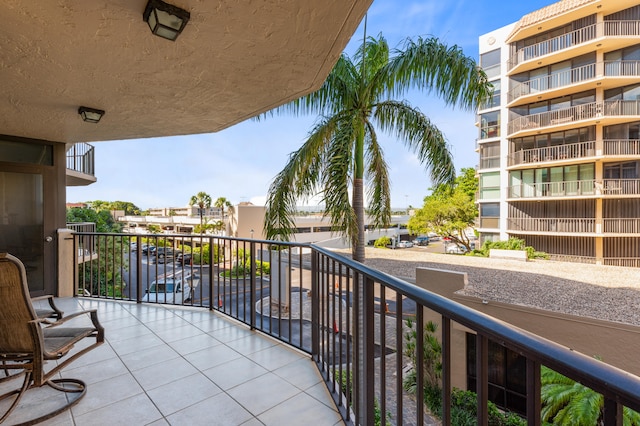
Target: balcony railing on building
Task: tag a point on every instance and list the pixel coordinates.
(622, 147)
(553, 81)
(343, 319)
(628, 28)
(85, 245)
(587, 187)
(621, 225)
(553, 189)
(553, 153)
(588, 111)
(529, 224)
(80, 158)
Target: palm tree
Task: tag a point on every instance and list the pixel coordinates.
(566, 402)
(221, 203)
(343, 149)
(203, 201)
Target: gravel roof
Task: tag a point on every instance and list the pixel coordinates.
(604, 292)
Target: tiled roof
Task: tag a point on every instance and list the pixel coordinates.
(547, 12)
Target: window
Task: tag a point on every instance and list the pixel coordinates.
(490, 186)
(490, 209)
(490, 125)
(494, 101)
(490, 155)
(490, 63)
(507, 375)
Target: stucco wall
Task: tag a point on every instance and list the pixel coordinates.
(616, 343)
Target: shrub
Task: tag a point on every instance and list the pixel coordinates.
(382, 242)
(510, 244)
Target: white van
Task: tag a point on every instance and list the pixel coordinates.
(172, 287)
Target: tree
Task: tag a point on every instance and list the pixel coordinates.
(128, 207)
(221, 203)
(103, 219)
(567, 402)
(203, 201)
(343, 150)
(448, 211)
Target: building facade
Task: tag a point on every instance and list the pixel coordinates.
(559, 142)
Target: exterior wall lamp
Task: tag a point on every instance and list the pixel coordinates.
(165, 20)
(90, 115)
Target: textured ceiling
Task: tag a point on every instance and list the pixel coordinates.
(234, 59)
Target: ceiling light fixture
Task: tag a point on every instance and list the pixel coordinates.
(90, 115)
(165, 20)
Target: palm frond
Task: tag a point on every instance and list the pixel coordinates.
(336, 178)
(420, 136)
(336, 93)
(429, 65)
(299, 178)
(379, 191)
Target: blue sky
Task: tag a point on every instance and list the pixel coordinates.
(239, 163)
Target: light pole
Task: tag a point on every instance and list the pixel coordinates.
(251, 234)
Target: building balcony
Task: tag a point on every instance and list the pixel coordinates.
(294, 332)
(613, 188)
(572, 226)
(621, 148)
(607, 36)
(80, 165)
(575, 152)
(603, 112)
(604, 75)
(552, 225)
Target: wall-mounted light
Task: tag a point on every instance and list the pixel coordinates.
(165, 20)
(90, 115)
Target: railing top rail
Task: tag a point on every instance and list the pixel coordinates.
(603, 378)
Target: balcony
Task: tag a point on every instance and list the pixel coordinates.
(607, 36)
(604, 112)
(177, 365)
(553, 189)
(607, 188)
(340, 315)
(565, 153)
(554, 225)
(621, 225)
(529, 90)
(80, 165)
(622, 148)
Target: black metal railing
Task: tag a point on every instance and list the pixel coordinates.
(81, 158)
(350, 318)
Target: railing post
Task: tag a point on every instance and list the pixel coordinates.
(446, 370)
(252, 285)
(613, 414)
(533, 393)
(364, 384)
(315, 305)
(138, 270)
(482, 378)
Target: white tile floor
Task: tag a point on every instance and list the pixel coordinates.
(164, 365)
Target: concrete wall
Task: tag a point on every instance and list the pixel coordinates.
(618, 344)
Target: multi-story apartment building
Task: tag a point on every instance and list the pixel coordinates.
(559, 141)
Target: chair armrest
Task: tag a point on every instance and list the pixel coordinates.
(93, 313)
(55, 311)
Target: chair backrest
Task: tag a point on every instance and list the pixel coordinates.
(16, 309)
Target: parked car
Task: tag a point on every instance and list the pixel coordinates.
(184, 259)
(405, 244)
(147, 249)
(433, 236)
(172, 287)
(455, 249)
(421, 241)
(165, 255)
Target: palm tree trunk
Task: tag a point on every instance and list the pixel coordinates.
(357, 246)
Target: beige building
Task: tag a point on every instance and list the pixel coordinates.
(559, 142)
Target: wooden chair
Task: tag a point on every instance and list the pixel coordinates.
(28, 341)
(50, 311)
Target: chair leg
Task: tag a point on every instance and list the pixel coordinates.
(18, 392)
(62, 385)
